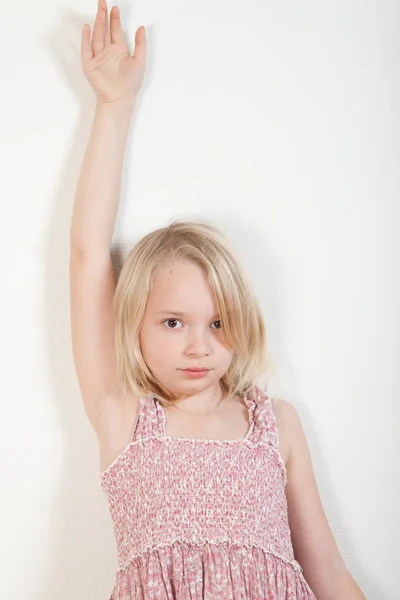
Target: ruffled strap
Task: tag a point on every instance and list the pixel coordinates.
(148, 423)
(265, 424)
(265, 429)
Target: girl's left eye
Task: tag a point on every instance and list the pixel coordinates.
(220, 324)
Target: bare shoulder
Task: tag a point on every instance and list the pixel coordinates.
(114, 425)
(284, 416)
(283, 409)
(289, 424)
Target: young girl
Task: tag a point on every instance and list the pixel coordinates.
(206, 499)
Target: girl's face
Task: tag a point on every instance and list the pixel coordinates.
(182, 330)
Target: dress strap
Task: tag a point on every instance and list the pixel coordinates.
(147, 424)
(265, 423)
(266, 430)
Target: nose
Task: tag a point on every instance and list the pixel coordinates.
(198, 343)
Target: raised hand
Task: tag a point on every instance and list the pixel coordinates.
(114, 74)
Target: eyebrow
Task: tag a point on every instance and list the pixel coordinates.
(177, 313)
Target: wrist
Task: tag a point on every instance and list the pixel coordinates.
(121, 109)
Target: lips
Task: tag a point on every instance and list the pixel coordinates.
(194, 369)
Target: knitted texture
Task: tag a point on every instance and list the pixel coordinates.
(196, 518)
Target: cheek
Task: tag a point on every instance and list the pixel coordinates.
(157, 347)
(225, 348)
(228, 355)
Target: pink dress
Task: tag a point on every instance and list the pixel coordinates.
(202, 519)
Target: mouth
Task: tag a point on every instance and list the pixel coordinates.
(195, 373)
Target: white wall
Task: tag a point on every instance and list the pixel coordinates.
(280, 123)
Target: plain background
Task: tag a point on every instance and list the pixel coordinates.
(278, 122)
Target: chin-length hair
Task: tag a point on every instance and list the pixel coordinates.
(240, 314)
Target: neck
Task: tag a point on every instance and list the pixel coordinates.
(210, 406)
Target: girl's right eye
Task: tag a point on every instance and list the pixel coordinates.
(169, 321)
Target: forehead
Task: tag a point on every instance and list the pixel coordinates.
(182, 286)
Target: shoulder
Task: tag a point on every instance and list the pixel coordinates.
(289, 424)
(285, 417)
(285, 412)
(282, 407)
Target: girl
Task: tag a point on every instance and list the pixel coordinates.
(206, 499)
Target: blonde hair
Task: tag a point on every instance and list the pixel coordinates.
(240, 313)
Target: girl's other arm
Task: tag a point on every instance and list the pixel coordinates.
(313, 542)
(115, 76)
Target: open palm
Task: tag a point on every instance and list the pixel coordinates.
(114, 74)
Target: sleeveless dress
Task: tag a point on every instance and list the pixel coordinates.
(202, 519)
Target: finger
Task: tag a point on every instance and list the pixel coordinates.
(99, 28)
(107, 35)
(117, 35)
(140, 44)
(86, 48)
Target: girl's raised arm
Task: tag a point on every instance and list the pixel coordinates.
(116, 77)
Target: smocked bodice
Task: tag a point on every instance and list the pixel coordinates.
(162, 490)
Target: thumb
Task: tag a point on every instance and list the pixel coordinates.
(140, 44)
